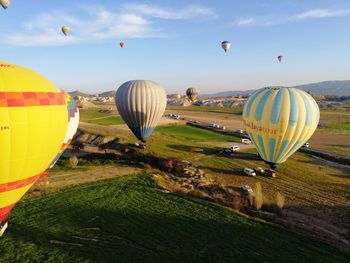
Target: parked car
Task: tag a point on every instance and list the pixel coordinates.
(199, 150)
(249, 172)
(270, 173)
(247, 188)
(259, 170)
(246, 141)
(196, 122)
(306, 145)
(240, 131)
(223, 128)
(234, 148)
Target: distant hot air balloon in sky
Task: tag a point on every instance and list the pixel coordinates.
(226, 45)
(192, 93)
(280, 58)
(65, 30)
(5, 3)
(279, 121)
(73, 123)
(121, 44)
(34, 120)
(141, 104)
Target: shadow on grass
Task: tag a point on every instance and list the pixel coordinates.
(238, 172)
(191, 149)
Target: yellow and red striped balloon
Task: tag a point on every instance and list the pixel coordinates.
(33, 125)
(279, 121)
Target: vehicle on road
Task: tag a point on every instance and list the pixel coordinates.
(306, 145)
(232, 149)
(246, 141)
(199, 150)
(270, 173)
(249, 172)
(259, 170)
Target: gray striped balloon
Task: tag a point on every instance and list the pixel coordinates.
(141, 104)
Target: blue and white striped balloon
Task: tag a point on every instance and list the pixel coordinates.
(279, 121)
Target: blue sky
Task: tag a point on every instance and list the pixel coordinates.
(177, 42)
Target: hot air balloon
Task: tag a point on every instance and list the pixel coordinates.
(279, 121)
(73, 123)
(34, 121)
(121, 44)
(226, 45)
(5, 3)
(141, 104)
(192, 93)
(280, 58)
(65, 30)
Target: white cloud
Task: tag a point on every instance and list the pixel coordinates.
(188, 12)
(319, 13)
(270, 20)
(246, 22)
(130, 21)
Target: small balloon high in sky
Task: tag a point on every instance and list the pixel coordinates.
(5, 3)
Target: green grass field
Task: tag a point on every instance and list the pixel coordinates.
(111, 120)
(102, 118)
(195, 134)
(128, 219)
(86, 115)
(235, 110)
(340, 125)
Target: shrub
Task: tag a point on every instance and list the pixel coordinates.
(280, 202)
(258, 196)
(167, 165)
(197, 193)
(73, 161)
(236, 203)
(77, 146)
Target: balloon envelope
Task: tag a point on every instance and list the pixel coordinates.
(192, 93)
(279, 121)
(121, 44)
(65, 30)
(141, 104)
(73, 123)
(226, 45)
(5, 3)
(34, 121)
(280, 58)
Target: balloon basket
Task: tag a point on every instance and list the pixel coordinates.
(3, 228)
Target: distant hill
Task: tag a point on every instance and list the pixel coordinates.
(78, 93)
(108, 93)
(336, 87)
(227, 93)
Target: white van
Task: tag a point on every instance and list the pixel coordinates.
(249, 172)
(246, 141)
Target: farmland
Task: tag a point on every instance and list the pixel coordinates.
(133, 219)
(130, 219)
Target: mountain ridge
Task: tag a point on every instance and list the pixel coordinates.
(330, 87)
